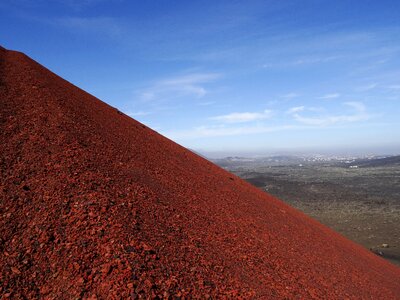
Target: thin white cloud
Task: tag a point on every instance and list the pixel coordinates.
(79, 4)
(147, 95)
(207, 103)
(289, 95)
(190, 79)
(313, 60)
(138, 113)
(92, 25)
(243, 117)
(358, 106)
(330, 96)
(359, 113)
(219, 131)
(367, 87)
(295, 109)
(185, 85)
(305, 61)
(394, 87)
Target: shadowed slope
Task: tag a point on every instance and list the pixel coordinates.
(94, 203)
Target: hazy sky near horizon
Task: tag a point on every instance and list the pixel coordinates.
(233, 76)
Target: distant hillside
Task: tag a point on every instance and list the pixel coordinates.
(378, 162)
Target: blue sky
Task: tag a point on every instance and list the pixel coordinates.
(230, 76)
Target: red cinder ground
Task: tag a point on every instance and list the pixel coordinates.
(95, 205)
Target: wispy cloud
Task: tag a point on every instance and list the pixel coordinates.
(94, 25)
(207, 103)
(330, 96)
(219, 131)
(314, 60)
(231, 124)
(289, 95)
(305, 61)
(394, 87)
(138, 113)
(358, 113)
(192, 84)
(295, 109)
(243, 117)
(367, 87)
(79, 4)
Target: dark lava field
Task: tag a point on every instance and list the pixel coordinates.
(362, 203)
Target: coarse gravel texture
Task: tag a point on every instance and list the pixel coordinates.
(95, 205)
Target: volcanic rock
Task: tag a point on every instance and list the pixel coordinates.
(95, 205)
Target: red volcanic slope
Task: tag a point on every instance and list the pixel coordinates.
(96, 205)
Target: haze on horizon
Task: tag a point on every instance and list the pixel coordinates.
(229, 77)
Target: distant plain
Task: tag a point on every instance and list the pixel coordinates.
(359, 199)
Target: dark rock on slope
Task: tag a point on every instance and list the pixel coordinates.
(96, 205)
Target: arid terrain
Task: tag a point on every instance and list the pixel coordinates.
(358, 198)
(95, 205)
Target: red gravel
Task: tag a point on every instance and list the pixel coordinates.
(95, 205)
